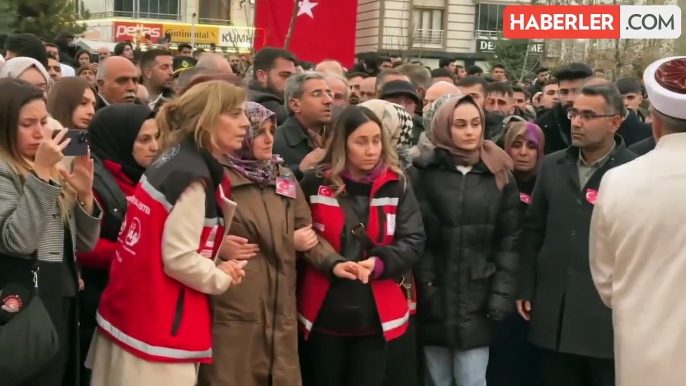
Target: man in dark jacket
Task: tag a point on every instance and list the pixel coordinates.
(643, 147)
(300, 139)
(271, 69)
(542, 75)
(555, 123)
(568, 320)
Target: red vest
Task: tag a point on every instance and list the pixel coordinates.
(146, 312)
(329, 221)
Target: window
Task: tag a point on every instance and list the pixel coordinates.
(489, 19)
(215, 10)
(147, 9)
(428, 25)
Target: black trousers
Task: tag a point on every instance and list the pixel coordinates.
(560, 369)
(513, 360)
(402, 365)
(346, 361)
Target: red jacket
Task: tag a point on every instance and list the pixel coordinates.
(391, 303)
(103, 253)
(146, 312)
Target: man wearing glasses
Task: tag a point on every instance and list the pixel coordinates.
(569, 322)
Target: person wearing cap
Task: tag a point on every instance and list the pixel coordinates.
(637, 254)
(402, 93)
(179, 64)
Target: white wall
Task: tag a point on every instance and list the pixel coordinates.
(96, 6)
(395, 25)
(368, 20)
(460, 28)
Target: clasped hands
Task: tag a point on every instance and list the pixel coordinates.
(306, 238)
(237, 251)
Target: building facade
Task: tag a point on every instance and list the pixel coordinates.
(227, 24)
(430, 29)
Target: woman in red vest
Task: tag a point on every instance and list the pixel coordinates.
(363, 206)
(154, 320)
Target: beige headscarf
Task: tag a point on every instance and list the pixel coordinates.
(495, 158)
(14, 67)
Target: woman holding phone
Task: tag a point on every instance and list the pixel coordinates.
(46, 212)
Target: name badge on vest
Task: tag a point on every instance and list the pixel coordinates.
(390, 224)
(285, 188)
(525, 198)
(591, 196)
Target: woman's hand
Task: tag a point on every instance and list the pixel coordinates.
(369, 265)
(352, 271)
(305, 239)
(234, 268)
(49, 152)
(81, 176)
(237, 248)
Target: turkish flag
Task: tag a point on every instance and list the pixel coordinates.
(324, 29)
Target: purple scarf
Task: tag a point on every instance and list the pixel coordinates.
(243, 161)
(369, 178)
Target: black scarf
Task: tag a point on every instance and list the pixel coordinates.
(112, 133)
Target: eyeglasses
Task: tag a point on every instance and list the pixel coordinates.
(587, 115)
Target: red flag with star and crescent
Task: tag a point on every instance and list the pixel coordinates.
(324, 29)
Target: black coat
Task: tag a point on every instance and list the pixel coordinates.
(291, 143)
(633, 130)
(470, 257)
(643, 147)
(567, 313)
(258, 94)
(557, 129)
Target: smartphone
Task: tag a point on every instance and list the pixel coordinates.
(78, 145)
(95, 58)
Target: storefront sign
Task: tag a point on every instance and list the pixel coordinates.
(236, 38)
(181, 33)
(123, 31)
(488, 46)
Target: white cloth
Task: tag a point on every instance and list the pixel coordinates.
(67, 70)
(638, 262)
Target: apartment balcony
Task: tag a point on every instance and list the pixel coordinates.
(428, 38)
(134, 15)
(482, 34)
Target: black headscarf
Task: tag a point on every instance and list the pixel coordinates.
(112, 133)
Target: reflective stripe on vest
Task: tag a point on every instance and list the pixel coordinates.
(386, 326)
(159, 197)
(149, 349)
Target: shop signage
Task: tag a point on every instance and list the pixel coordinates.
(236, 38)
(488, 46)
(123, 30)
(182, 33)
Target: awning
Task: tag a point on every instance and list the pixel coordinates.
(92, 45)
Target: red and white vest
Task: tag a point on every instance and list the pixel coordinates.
(143, 310)
(329, 221)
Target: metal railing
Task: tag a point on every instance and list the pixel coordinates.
(135, 15)
(483, 34)
(205, 20)
(428, 36)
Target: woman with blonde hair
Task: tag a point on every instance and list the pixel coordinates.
(272, 222)
(72, 102)
(363, 206)
(46, 214)
(154, 320)
(513, 360)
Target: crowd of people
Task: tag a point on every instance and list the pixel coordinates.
(254, 221)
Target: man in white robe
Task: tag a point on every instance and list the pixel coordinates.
(638, 242)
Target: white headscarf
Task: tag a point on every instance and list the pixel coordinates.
(13, 68)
